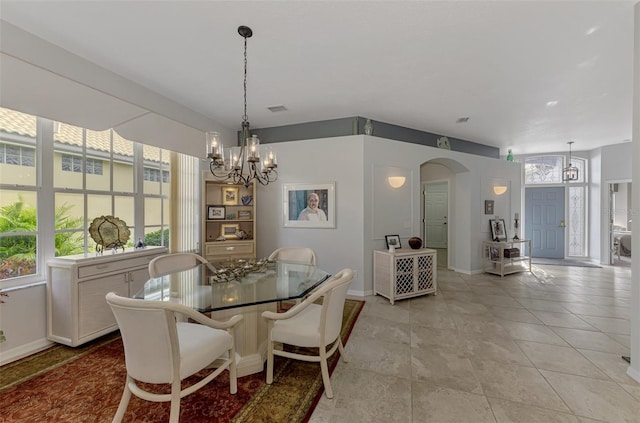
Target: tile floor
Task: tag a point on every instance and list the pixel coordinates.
(541, 347)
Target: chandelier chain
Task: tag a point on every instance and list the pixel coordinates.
(244, 116)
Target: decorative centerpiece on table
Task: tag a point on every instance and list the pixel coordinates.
(238, 269)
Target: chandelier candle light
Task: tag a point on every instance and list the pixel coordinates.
(243, 164)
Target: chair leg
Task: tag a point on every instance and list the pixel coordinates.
(324, 367)
(343, 354)
(233, 373)
(124, 401)
(174, 416)
(269, 362)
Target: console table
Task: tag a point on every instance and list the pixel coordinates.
(496, 261)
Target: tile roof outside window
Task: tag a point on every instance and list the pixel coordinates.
(18, 123)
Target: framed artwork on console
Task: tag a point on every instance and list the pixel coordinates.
(498, 230)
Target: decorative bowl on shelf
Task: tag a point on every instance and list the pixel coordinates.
(415, 243)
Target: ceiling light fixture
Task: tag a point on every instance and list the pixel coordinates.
(570, 173)
(243, 164)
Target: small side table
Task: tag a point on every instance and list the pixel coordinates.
(496, 261)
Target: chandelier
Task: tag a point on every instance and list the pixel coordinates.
(570, 173)
(244, 163)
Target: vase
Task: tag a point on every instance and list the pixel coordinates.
(392, 249)
(368, 127)
(415, 243)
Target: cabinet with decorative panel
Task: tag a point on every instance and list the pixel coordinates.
(229, 224)
(405, 274)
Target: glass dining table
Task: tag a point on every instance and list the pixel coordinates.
(246, 287)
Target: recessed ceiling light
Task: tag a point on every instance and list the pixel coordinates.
(591, 30)
(464, 119)
(552, 103)
(277, 108)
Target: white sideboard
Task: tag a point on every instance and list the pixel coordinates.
(405, 274)
(76, 286)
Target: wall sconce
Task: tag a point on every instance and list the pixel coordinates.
(396, 181)
(499, 189)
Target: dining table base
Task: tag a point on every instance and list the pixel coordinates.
(251, 336)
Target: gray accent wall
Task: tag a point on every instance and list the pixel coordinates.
(355, 126)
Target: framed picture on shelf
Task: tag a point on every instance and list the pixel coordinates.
(488, 206)
(393, 240)
(244, 214)
(229, 230)
(230, 196)
(498, 230)
(494, 253)
(309, 205)
(216, 212)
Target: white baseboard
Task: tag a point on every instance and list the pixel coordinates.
(24, 351)
(634, 374)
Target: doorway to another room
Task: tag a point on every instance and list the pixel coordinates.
(620, 223)
(435, 221)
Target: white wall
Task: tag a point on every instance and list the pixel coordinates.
(24, 322)
(634, 368)
(336, 160)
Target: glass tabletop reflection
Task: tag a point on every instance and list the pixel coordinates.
(224, 285)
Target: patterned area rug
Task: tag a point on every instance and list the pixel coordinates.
(64, 384)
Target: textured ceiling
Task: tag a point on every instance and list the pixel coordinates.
(419, 64)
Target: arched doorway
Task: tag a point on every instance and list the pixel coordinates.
(438, 206)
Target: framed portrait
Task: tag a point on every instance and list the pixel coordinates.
(230, 196)
(244, 214)
(229, 230)
(309, 205)
(393, 240)
(498, 229)
(488, 206)
(216, 212)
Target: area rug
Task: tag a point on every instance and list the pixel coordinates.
(85, 384)
(563, 262)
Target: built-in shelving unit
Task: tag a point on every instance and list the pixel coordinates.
(229, 220)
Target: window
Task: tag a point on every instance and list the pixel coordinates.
(74, 164)
(543, 170)
(85, 174)
(155, 175)
(18, 197)
(16, 155)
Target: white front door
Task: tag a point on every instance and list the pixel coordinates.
(436, 209)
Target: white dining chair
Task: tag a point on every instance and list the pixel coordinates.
(160, 350)
(311, 325)
(295, 254)
(302, 255)
(168, 263)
